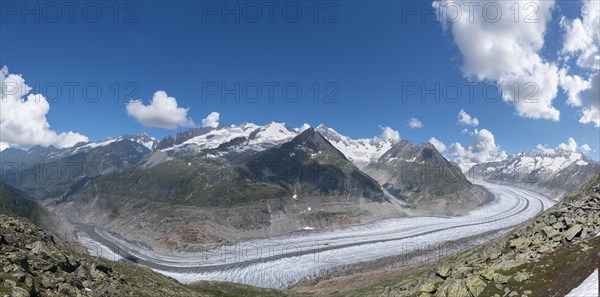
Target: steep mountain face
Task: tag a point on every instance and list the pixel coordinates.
(359, 151)
(553, 174)
(14, 203)
(421, 176)
(309, 163)
(180, 137)
(50, 172)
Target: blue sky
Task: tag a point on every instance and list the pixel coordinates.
(370, 52)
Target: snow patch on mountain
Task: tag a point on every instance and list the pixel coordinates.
(359, 151)
(253, 137)
(554, 174)
(143, 139)
(270, 135)
(528, 162)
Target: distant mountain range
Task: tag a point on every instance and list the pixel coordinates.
(554, 174)
(49, 172)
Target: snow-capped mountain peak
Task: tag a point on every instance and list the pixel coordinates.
(552, 162)
(270, 135)
(552, 173)
(245, 137)
(530, 161)
(143, 139)
(359, 151)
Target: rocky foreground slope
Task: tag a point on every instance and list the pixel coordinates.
(34, 262)
(40, 262)
(548, 256)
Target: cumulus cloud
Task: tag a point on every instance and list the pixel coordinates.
(388, 134)
(570, 146)
(415, 123)
(573, 85)
(582, 39)
(212, 120)
(484, 149)
(4, 145)
(591, 103)
(498, 49)
(501, 156)
(466, 119)
(23, 117)
(302, 128)
(162, 112)
(545, 149)
(585, 149)
(440, 146)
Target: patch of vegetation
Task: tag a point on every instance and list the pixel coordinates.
(219, 289)
(569, 264)
(12, 202)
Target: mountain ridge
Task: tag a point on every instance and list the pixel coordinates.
(553, 174)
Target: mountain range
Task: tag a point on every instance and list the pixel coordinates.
(229, 183)
(553, 174)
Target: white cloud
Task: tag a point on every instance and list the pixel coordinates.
(212, 120)
(501, 156)
(4, 145)
(582, 38)
(440, 146)
(415, 123)
(506, 52)
(302, 128)
(466, 119)
(585, 148)
(591, 103)
(483, 150)
(162, 112)
(388, 134)
(570, 147)
(573, 86)
(23, 120)
(545, 149)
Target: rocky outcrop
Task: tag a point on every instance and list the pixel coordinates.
(34, 262)
(499, 268)
(33, 265)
